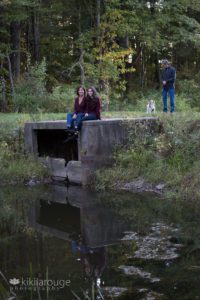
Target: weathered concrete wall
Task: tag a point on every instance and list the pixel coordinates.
(98, 139)
(96, 143)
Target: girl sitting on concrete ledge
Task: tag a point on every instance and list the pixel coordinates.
(85, 108)
(73, 119)
(93, 107)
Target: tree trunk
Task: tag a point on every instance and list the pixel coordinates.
(81, 60)
(103, 85)
(11, 76)
(127, 43)
(28, 36)
(36, 36)
(142, 69)
(98, 12)
(3, 105)
(155, 56)
(157, 71)
(15, 29)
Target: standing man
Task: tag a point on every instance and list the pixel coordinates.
(168, 77)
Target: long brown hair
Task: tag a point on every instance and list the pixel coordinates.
(93, 100)
(93, 103)
(81, 87)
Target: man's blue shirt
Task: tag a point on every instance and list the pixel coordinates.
(169, 75)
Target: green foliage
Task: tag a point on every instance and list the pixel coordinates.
(30, 93)
(21, 170)
(138, 100)
(171, 157)
(118, 52)
(191, 91)
(60, 100)
(16, 166)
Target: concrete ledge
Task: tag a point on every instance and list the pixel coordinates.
(94, 149)
(117, 121)
(61, 124)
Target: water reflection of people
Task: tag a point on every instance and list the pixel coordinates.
(93, 259)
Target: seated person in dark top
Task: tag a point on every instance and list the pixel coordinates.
(93, 106)
(74, 119)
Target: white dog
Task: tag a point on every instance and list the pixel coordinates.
(151, 107)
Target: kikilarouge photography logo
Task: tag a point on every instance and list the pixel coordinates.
(35, 284)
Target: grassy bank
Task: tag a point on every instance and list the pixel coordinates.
(171, 157)
(16, 165)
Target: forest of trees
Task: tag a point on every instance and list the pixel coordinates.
(115, 45)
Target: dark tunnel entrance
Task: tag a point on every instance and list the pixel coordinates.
(53, 143)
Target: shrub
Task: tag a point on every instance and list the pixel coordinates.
(15, 165)
(30, 93)
(60, 100)
(191, 91)
(172, 156)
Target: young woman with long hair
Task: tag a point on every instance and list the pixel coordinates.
(93, 106)
(74, 119)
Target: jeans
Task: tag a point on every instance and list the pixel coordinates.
(90, 117)
(171, 95)
(74, 122)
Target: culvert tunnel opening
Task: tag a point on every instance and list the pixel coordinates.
(55, 144)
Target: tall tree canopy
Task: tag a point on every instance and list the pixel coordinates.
(108, 43)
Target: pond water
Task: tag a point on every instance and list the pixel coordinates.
(69, 243)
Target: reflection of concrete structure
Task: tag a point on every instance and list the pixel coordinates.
(78, 159)
(68, 213)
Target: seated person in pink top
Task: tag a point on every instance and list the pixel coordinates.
(93, 106)
(74, 119)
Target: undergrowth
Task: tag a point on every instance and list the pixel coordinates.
(16, 165)
(171, 157)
